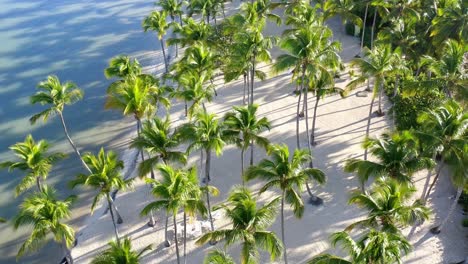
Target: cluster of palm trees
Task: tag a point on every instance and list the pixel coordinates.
(401, 61)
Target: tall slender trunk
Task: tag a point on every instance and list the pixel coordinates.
(138, 122)
(208, 165)
(185, 107)
(373, 28)
(116, 211)
(66, 252)
(207, 177)
(364, 26)
(242, 166)
(435, 180)
(175, 237)
(312, 134)
(367, 134)
(285, 255)
(248, 86)
(166, 64)
(38, 183)
(167, 243)
(109, 201)
(439, 228)
(252, 79)
(71, 142)
(395, 93)
(306, 115)
(243, 99)
(251, 152)
(185, 237)
(297, 120)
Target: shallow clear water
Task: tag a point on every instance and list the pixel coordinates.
(73, 39)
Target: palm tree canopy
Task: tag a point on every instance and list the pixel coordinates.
(33, 159)
(243, 126)
(249, 224)
(286, 173)
(396, 154)
(55, 94)
(160, 142)
(218, 257)
(192, 32)
(133, 96)
(387, 206)
(105, 175)
(120, 253)
(156, 21)
(172, 7)
(45, 213)
(450, 22)
(122, 66)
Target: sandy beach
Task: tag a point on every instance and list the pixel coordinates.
(340, 130)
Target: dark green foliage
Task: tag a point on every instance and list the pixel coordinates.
(349, 27)
(408, 108)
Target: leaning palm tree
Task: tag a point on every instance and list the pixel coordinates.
(157, 21)
(122, 66)
(287, 174)
(120, 253)
(170, 192)
(105, 177)
(372, 247)
(46, 213)
(56, 95)
(397, 157)
(244, 128)
(34, 161)
(249, 226)
(387, 207)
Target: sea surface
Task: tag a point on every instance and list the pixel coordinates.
(73, 39)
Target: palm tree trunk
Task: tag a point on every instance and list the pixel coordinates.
(71, 142)
(242, 167)
(439, 228)
(243, 99)
(208, 165)
(167, 243)
(109, 201)
(248, 86)
(367, 133)
(251, 152)
(297, 120)
(312, 134)
(175, 234)
(395, 93)
(185, 107)
(380, 112)
(38, 183)
(364, 27)
(116, 211)
(282, 230)
(66, 252)
(373, 28)
(166, 64)
(306, 115)
(207, 177)
(185, 237)
(434, 181)
(252, 79)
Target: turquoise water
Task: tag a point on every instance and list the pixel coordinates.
(73, 39)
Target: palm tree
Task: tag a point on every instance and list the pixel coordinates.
(372, 247)
(120, 253)
(191, 32)
(206, 134)
(397, 157)
(57, 95)
(288, 175)
(386, 206)
(160, 142)
(105, 177)
(377, 64)
(450, 22)
(122, 66)
(249, 224)
(157, 21)
(34, 160)
(343, 8)
(444, 131)
(174, 9)
(244, 128)
(46, 213)
(218, 257)
(171, 193)
(193, 89)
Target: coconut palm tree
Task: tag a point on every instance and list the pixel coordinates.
(174, 9)
(206, 8)
(57, 95)
(120, 253)
(249, 226)
(397, 157)
(171, 193)
(372, 247)
(157, 21)
(450, 22)
(244, 128)
(122, 66)
(205, 133)
(287, 174)
(218, 257)
(45, 213)
(191, 32)
(343, 8)
(105, 177)
(387, 207)
(193, 89)
(34, 161)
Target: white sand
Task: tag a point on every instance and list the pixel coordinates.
(340, 129)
